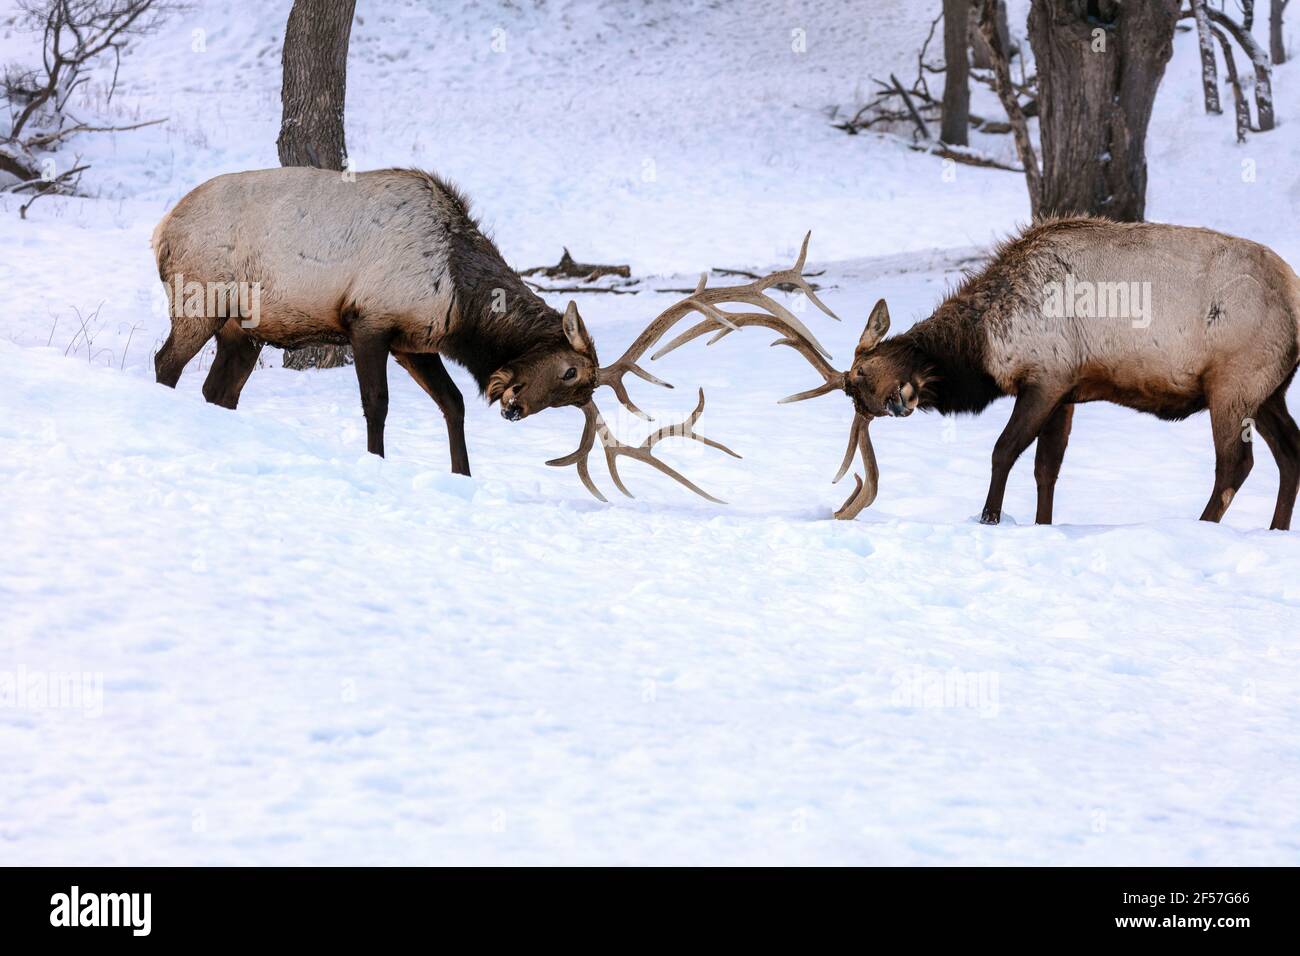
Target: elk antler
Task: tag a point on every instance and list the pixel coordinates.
(864, 492)
(706, 302)
(595, 427)
(796, 336)
(859, 438)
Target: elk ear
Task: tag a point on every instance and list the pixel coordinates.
(575, 331)
(498, 383)
(877, 326)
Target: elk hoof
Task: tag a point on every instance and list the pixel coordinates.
(991, 517)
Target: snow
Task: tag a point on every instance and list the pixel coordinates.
(311, 655)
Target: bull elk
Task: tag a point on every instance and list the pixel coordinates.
(392, 262)
(1168, 320)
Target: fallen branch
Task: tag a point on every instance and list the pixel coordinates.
(569, 269)
(965, 157)
(911, 107)
(612, 290)
(754, 275)
(51, 186)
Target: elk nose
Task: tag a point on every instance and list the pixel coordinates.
(512, 413)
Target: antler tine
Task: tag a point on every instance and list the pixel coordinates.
(791, 337)
(594, 426)
(612, 375)
(580, 455)
(794, 276)
(864, 491)
(644, 453)
(705, 301)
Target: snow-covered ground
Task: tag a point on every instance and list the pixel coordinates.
(300, 653)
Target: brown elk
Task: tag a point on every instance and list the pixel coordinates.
(392, 262)
(1168, 320)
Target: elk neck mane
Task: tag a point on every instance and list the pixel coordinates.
(498, 318)
(950, 347)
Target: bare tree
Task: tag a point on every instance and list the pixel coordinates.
(76, 35)
(1276, 48)
(1099, 65)
(1242, 109)
(955, 122)
(1259, 60)
(315, 68)
(1209, 72)
(987, 12)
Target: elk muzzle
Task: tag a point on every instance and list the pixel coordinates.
(903, 401)
(512, 410)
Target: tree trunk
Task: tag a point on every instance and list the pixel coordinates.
(1276, 49)
(315, 61)
(1209, 72)
(986, 12)
(1099, 65)
(955, 123)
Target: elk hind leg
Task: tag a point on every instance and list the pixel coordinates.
(1048, 456)
(187, 338)
(1279, 429)
(236, 356)
(1233, 456)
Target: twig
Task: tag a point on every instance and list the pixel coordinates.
(47, 139)
(911, 107)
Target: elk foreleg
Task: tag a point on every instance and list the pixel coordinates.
(1034, 406)
(431, 375)
(1048, 456)
(371, 354)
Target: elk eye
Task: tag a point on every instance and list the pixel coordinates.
(571, 374)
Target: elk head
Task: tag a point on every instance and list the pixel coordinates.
(884, 381)
(872, 382)
(550, 377)
(707, 303)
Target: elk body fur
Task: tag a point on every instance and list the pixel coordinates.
(390, 262)
(1216, 325)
